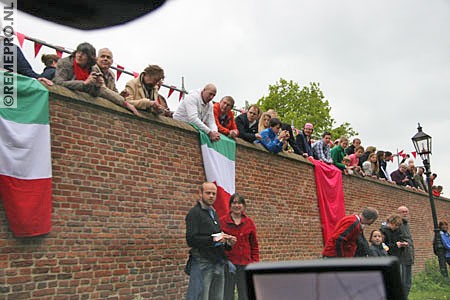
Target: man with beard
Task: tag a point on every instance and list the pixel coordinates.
(142, 91)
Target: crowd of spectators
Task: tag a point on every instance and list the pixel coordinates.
(85, 71)
(88, 72)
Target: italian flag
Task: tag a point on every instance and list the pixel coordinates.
(25, 162)
(219, 164)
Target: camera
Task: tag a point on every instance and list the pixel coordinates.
(96, 74)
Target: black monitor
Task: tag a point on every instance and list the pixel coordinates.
(336, 278)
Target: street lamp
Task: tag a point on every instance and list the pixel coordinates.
(422, 143)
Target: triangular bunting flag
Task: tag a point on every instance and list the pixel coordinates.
(181, 96)
(59, 53)
(20, 38)
(37, 47)
(414, 153)
(392, 158)
(170, 91)
(135, 74)
(400, 153)
(119, 72)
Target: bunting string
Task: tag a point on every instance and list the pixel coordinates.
(60, 50)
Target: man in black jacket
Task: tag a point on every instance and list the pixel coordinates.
(406, 256)
(247, 124)
(207, 241)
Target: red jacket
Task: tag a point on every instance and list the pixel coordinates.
(230, 123)
(342, 242)
(246, 250)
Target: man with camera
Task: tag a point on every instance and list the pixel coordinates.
(102, 70)
(142, 91)
(273, 138)
(76, 73)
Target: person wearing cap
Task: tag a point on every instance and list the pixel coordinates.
(303, 140)
(75, 72)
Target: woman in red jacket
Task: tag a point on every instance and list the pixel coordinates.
(245, 251)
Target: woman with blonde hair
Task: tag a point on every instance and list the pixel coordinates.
(264, 121)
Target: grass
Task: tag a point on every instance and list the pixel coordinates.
(429, 284)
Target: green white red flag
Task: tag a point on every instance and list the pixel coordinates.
(25, 160)
(219, 161)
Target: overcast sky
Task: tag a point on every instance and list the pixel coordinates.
(383, 65)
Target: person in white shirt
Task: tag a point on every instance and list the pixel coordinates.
(196, 108)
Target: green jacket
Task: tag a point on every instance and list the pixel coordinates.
(337, 154)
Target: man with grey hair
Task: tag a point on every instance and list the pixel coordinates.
(406, 245)
(103, 65)
(399, 175)
(343, 240)
(196, 108)
(418, 179)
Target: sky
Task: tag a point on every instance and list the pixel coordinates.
(383, 65)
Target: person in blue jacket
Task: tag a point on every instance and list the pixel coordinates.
(445, 239)
(273, 138)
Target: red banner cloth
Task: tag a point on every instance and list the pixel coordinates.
(28, 205)
(329, 195)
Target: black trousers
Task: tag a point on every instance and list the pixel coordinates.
(235, 280)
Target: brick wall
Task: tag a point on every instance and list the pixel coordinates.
(122, 187)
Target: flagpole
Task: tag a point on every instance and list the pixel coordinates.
(398, 159)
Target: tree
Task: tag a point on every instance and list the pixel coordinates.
(299, 106)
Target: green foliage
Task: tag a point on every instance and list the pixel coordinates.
(430, 284)
(302, 105)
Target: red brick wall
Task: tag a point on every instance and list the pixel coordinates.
(122, 187)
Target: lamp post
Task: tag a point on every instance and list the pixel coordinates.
(422, 143)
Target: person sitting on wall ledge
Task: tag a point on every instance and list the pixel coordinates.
(225, 118)
(75, 72)
(247, 124)
(196, 108)
(142, 91)
(272, 139)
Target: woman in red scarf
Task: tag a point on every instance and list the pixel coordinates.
(246, 249)
(75, 73)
